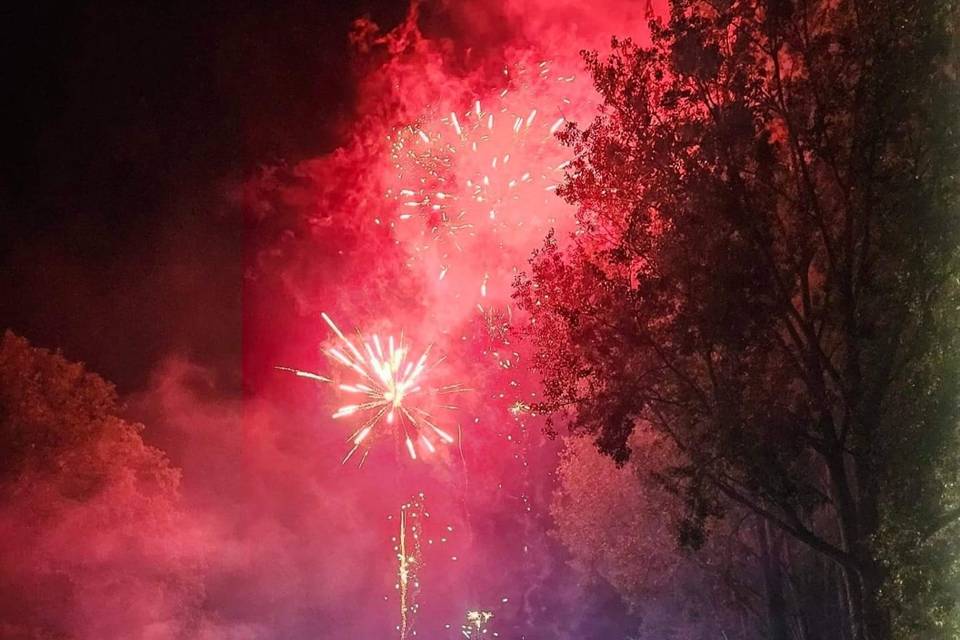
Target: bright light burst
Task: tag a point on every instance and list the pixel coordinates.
(476, 624)
(519, 408)
(487, 169)
(391, 390)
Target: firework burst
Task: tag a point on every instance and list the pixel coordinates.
(485, 171)
(391, 390)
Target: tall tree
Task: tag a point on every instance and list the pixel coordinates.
(616, 524)
(767, 273)
(93, 537)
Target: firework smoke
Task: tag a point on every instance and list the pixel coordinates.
(445, 185)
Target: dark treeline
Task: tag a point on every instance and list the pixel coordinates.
(766, 280)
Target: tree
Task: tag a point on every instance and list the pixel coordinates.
(766, 272)
(616, 523)
(93, 545)
(745, 581)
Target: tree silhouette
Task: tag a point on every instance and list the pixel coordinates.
(766, 272)
(92, 540)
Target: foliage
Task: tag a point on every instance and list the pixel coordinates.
(616, 523)
(766, 273)
(88, 512)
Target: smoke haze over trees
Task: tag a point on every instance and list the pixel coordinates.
(701, 283)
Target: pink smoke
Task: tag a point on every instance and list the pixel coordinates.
(273, 537)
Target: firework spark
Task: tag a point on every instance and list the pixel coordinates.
(476, 624)
(403, 572)
(408, 560)
(487, 169)
(390, 386)
(518, 408)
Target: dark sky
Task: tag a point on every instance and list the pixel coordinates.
(126, 125)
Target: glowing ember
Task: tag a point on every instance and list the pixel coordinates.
(390, 387)
(519, 407)
(476, 625)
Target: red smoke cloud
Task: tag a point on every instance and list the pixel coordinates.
(283, 541)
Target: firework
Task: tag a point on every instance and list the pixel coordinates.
(476, 624)
(487, 170)
(518, 408)
(496, 323)
(407, 548)
(391, 392)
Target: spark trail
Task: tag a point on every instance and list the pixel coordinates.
(409, 559)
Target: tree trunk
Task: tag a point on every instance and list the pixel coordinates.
(863, 578)
(854, 593)
(876, 618)
(778, 627)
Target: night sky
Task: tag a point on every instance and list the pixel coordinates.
(126, 128)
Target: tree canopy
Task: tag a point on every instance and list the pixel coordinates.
(766, 273)
(89, 513)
